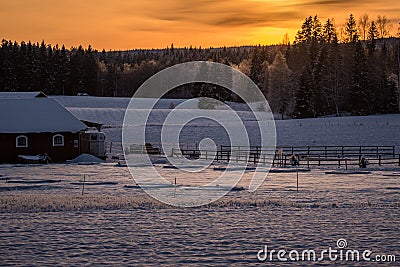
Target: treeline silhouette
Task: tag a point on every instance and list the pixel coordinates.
(323, 72)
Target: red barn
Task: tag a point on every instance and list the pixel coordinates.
(32, 124)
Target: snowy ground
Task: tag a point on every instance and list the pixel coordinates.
(45, 219)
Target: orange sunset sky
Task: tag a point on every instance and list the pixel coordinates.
(129, 24)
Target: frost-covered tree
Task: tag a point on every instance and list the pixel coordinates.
(279, 93)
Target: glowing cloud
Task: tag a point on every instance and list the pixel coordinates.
(124, 24)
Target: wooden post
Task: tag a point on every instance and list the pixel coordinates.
(110, 147)
(308, 162)
(345, 161)
(175, 188)
(380, 160)
(297, 175)
(83, 184)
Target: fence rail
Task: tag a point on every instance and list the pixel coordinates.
(280, 156)
(308, 155)
(321, 151)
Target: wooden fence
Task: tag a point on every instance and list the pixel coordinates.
(308, 155)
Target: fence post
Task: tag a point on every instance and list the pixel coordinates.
(83, 184)
(379, 160)
(345, 161)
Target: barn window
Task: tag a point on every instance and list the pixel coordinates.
(21, 141)
(58, 140)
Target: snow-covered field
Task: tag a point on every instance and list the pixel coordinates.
(360, 130)
(45, 219)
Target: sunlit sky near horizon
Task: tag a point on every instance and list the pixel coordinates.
(130, 24)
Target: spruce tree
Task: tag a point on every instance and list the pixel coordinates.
(351, 30)
(304, 100)
(373, 34)
(256, 66)
(360, 95)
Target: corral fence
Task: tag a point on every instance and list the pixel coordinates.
(278, 156)
(307, 155)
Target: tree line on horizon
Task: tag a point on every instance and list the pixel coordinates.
(325, 71)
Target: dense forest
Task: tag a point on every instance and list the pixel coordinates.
(324, 71)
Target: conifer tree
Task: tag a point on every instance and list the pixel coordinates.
(351, 30)
(360, 95)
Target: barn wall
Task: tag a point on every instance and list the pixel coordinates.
(38, 143)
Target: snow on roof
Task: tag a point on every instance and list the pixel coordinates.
(19, 95)
(36, 115)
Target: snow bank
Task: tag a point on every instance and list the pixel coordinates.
(86, 158)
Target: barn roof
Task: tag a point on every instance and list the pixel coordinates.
(36, 115)
(19, 95)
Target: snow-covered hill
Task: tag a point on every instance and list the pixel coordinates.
(360, 130)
